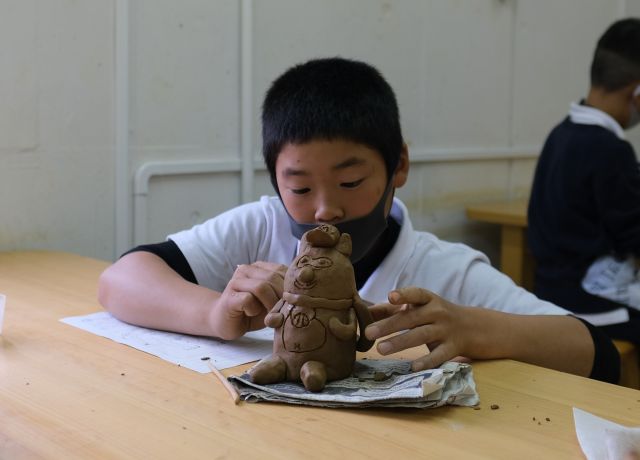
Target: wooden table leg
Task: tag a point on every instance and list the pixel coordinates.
(512, 252)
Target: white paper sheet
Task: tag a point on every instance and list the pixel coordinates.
(184, 350)
(601, 439)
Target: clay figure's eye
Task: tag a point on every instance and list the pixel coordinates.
(322, 262)
(304, 260)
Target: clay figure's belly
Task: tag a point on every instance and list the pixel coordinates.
(302, 331)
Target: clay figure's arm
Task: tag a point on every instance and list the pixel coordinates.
(274, 318)
(344, 331)
(364, 319)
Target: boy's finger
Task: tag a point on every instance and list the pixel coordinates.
(412, 295)
(245, 304)
(412, 338)
(261, 277)
(383, 310)
(272, 267)
(265, 294)
(252, 309)
(404, 318)
(435, 358)
(256, 323)
(260, 272)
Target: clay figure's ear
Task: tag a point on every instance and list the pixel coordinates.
(344, 244)
(304, 245)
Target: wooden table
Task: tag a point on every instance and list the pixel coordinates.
(511, 216)
(68, 394)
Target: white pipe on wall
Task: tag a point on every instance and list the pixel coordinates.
(430, 155)
(125, 226)
(247, 165)
(147, 171)
(121, 123)
(167, 168)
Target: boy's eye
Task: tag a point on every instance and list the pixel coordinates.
(351, 184)
(300, 191)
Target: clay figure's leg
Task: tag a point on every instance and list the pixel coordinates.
(313, 375)
(269, 370)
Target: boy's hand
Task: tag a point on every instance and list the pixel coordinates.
(426, 319)
(250, 294)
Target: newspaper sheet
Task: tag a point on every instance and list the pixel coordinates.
(375, 383)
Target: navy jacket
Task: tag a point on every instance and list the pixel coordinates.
(585, 202)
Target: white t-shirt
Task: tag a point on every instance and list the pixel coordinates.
(260, 231)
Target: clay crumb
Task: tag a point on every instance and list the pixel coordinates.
(548, 419)
(122, 373)
(534, 419)
(494, 407)
(380, 376)
(477, 407)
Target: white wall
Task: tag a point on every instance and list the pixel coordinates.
(479, 85)
(56, 126)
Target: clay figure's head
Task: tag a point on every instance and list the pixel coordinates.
(322, 268)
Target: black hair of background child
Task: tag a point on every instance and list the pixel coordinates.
(616, 61)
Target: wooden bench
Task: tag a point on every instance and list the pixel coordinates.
(629, 359)
(516, 262)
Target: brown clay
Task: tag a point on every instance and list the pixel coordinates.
(315, 323)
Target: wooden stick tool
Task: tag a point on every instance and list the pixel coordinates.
(228, 385)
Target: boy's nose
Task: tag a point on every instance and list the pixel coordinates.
(328, 211)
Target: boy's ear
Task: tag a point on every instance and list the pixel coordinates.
(402, 170)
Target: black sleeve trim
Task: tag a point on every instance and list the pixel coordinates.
(606, 361)
(172, 255)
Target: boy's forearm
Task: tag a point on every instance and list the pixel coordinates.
(142, 289)
(556, 342)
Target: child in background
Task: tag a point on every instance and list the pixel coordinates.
(333, 146)
(584, 210)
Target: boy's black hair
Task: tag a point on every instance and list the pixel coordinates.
(331, 99)
(616, 61)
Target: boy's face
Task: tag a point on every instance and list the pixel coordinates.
(332, 181)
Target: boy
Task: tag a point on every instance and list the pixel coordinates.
(584, 211)
(333, 146)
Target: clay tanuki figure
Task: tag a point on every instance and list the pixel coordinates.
(315, 322)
